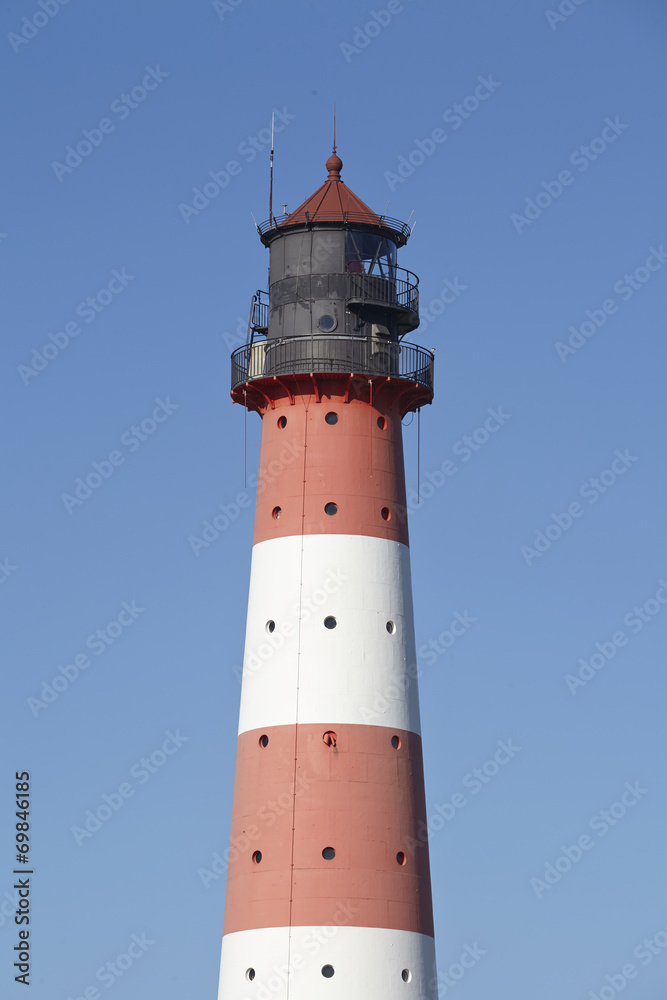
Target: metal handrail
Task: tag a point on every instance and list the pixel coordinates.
(385, 222)
(402, 289)
(259, 312)
(332, 355)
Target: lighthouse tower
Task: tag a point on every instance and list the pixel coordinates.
(328, 883)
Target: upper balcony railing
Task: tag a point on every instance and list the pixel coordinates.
(400, 229)
(401, 290)
(332, 355)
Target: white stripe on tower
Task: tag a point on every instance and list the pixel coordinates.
(356, 672)
(367, 962)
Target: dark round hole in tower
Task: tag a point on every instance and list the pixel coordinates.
(270, 625)
(327, 323)
(330, 622)
(276, 512)
(264, 740)
(396, 742)
(327, 971)
(382, 423)
(330, 739)
(250, 974)
(391, 627)
(406, 975)
(331, 508)
(386, 514)
(328, 853)
(282, 422)
(400, 858)
(257, 857)
(331, 417)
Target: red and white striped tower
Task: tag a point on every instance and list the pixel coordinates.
(328, 885)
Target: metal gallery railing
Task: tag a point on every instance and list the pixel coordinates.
(401, 229)
(332, 355)
(400, 289)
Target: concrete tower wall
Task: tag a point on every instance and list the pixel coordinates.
(329, 775)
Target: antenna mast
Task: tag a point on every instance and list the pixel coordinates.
(273, 115)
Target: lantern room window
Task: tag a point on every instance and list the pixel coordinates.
(368, 253)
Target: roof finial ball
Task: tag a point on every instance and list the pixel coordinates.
(334, 165)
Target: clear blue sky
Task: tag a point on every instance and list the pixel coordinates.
(162, 329)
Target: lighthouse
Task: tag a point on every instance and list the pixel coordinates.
(328, 882)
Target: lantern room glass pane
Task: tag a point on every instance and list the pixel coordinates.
(368, 253)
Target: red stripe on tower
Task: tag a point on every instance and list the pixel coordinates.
(328, 884)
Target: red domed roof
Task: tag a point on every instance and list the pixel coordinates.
(333, 202)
